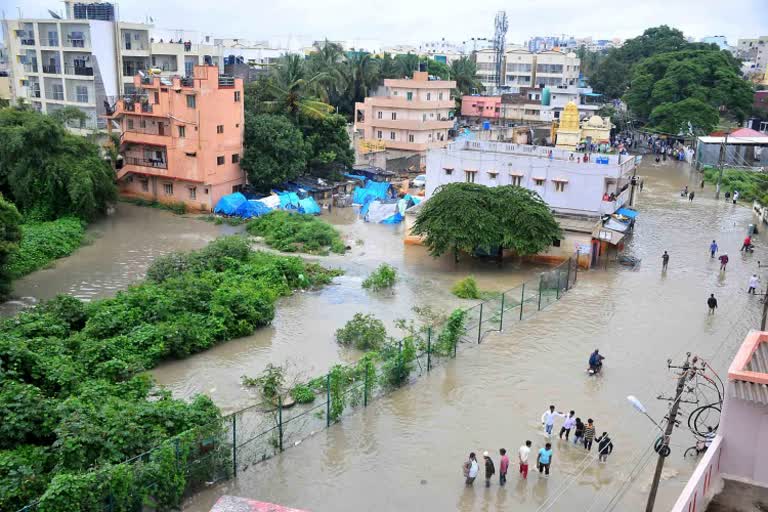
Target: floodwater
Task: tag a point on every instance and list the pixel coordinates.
(405, 450)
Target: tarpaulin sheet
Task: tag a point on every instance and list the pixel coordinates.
(393, 219)
(372, 189)
(309, 206)
(378, 211)
(272, 201)
(289, 200)
(250, 209)
(229, 203)
(627, 212)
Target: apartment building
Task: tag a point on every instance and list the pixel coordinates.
(182, 138)
(88, 59)
(407, 114)
(755, 51)
(522, 68)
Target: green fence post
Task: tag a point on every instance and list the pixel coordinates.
(280, 420)
(541, 283)
(328, 400)
(429, 348)
(234, 444)
(522, 301)
(557, 292)
(501, 320)
(365, 383)
(455, 344)
(568, 275)
(480, 323)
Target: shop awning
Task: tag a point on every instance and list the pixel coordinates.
(605, 234)
(627, 212)
(516, 173)
(561, 180)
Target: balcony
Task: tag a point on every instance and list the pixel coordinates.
(30, 68)
(76, 42)
(132, 106)
(27, 42)
(154, 163)
(70, 69)
(610, 207)
(52, 69)
(34, 93)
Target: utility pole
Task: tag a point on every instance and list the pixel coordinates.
(721, 162)
(685, 371)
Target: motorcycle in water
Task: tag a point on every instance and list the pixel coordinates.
(595, 363)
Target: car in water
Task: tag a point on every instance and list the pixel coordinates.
(419, 181)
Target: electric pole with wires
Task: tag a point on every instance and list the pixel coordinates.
(687, 370)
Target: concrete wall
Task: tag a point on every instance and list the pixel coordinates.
(745, 428)
(705, 481)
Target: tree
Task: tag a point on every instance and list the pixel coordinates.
(295, 89)
(10, 236)
(438, 69)
(674, 117)
(407, 63)
(361, 73)
(388, 67)
(68, 114)
(327, 142)
(464, 72)
(274, 150)
(466, 217)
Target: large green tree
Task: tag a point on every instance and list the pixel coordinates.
(327, 142)
(275, 150)
(46, 169)
(674, 117)
(464, 72)
(464, 217)
(10, 236)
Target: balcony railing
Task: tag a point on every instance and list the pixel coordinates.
(30, 68)
(27, 42)
(226, 81)
(133, 106)
(34, 93)
(69, 69)
(55, 95)
(53, 43)
(146, 162)
(76, 42)
(52, 69)
(187, 82)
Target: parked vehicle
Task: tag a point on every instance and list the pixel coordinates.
(419, 181)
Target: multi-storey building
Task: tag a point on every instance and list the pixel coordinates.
(522, 68)
(88, 59)
(409, 114)
(182, 138)
(755, 51)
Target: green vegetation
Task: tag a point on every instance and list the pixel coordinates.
(10, 236)
(43, 242)
(178, 208)
(219, 220)
(270, 383)
(302, 394)
(73, 396)
(295, 232)
(383, 277)
(364, 332)
(466, 217)
(274, 151)
(466, 288)
(752, 186)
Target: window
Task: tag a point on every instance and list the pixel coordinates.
(157, 97)
(440, 96)
(191, 101)
(58, 92)
(492, 175)
(219, 160)
(394, 116)
(237, 96)
(144, 185)
(168, 188)
(129, 124)
(378, 134)
(556, 242)
(391, 135)
(409, 96)
(448, 170)
(429, 96)
(559, 186)
(469, 176)
(380, 114)
(539, 182)
(143, 123)
(235, 158)
(220, 128)
(515, 180)
(410, 137)
(182, 131)
(193, 193)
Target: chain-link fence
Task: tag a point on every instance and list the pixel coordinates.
(159, 479)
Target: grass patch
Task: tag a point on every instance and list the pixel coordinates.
(219, 220)
(752, 185)
(296, 232)
(383, 277)
(44, 242)
(466, 289)
(176, 207)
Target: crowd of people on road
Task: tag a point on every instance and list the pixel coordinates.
(584, 435)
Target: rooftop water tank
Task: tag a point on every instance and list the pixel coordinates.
(545, 94)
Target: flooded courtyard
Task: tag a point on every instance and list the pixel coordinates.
(405, 450)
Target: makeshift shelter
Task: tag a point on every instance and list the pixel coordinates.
(271, 201)
(309, 206)
(289, 200)
(228, 204)
(250, 209)
(372, 190)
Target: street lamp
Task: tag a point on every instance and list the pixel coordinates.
(639, 407)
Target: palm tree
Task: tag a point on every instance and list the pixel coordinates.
(407, 64)
(388, 67)
(298, 91)
(329, 58)
(362, 73)
(464, 72)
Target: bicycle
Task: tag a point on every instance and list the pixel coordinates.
(695, 450)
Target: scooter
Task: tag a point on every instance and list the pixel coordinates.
(594, 370)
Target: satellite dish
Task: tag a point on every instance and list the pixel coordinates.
(54, 15)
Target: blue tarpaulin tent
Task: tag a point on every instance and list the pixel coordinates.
(627, 212)
(373, 190)
(251, 209)
(289, 200)
(229, 203)
(309, 206)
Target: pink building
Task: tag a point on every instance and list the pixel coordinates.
(487, 107)
(182, 138)
(733, 473)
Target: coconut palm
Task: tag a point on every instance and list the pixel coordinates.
(407, 64)
(297, 90)
(388, 67)
(464, 72)
(328, 58)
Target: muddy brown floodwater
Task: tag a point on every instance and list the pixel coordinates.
(405, 450)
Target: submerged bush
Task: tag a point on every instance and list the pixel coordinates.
(296, 232)
(466, 288)
(383, 277)
(364, 332)
(302, 394)
(43, 242)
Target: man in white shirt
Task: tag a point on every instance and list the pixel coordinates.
(548, 419)
(522, 455)
(471, 468)
(753, 282)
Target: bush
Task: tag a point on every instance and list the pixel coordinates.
(364, 332)
(302, 394)
(296, 232)
(43, 242)
(466, 288)
(178, 208)
(383, 277)
(751, 185)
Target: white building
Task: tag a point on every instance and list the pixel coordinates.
(560, 95)
(522, 68)
(754, 50)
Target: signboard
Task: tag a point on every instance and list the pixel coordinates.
(371, 146)
(584, 248)
(605, 235)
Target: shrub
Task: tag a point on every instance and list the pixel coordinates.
(43, 242)
(302, 394)
(270, 383)
(383, 277)
(466, 288)
(398, 363)
(364, 332)
(295, 232)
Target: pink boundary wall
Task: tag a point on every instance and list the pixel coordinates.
(704, 483)
(234, 504)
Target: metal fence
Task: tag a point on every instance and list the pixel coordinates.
(221, 451)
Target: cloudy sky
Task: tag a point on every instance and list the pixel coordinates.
(392, 21)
